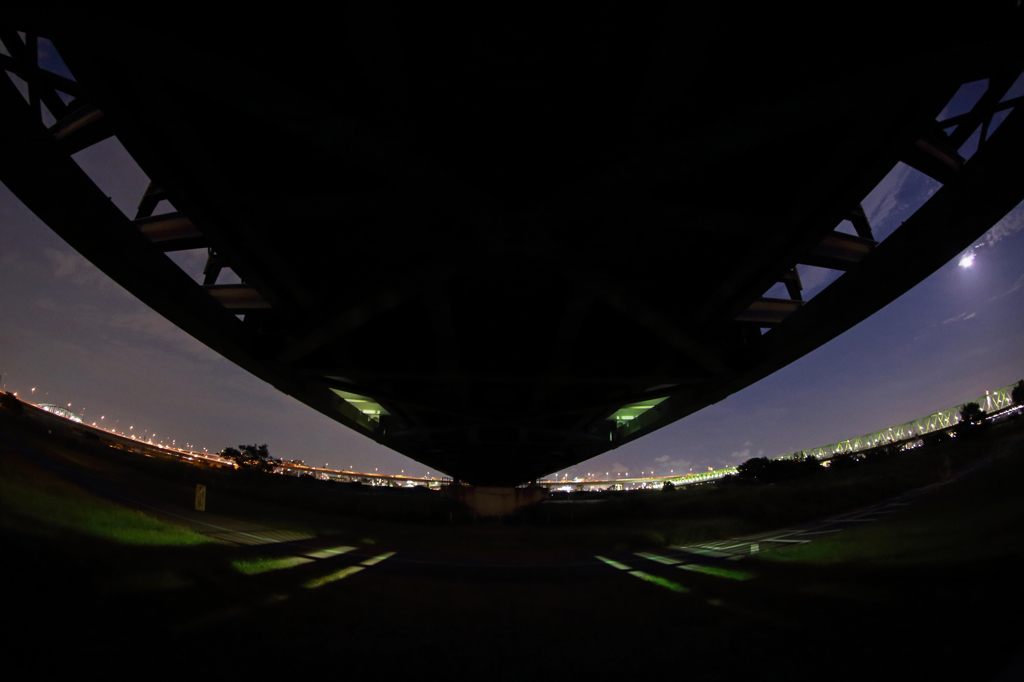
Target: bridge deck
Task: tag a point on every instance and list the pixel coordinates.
(505, 251)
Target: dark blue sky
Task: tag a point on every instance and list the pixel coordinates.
(77, 337)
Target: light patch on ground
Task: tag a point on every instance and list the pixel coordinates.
(330, 578)
(257, 566)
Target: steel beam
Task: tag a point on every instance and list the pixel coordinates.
(238, 297)
(171, 232)
(769, 312)
(838, 251)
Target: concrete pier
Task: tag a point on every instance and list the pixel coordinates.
(486, 501)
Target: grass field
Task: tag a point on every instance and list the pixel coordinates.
(37, 502)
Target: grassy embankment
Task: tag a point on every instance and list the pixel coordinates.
(38, 503)
(980, 518)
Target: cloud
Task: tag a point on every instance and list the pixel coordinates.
(144, 328)
(71, 267)
(743, 454)
(884, 200)
(152, 324)
(1016, 285)
(13, 262)
(896, 198)
(748, 443)
(1011, 223)
(149, 323)
(192, 262)
(64, 264)
(959, 318)
(676, 465)
(666, 464)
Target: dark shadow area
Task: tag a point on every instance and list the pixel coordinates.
(929, 592)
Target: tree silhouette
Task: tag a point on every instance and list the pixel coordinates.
(764, 470)
(251, 457)
(1017, 394)
(971, 417)
(754, 470)
(8, 401)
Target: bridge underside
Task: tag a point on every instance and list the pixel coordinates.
(505, 250)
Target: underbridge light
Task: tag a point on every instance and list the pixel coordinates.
(364, 404)
(630, 412)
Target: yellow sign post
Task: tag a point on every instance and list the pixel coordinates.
(200, 497)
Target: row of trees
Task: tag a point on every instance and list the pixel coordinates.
(764, 470)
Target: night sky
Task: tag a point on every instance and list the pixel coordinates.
(77, 337)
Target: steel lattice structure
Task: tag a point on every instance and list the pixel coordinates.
(505, 249)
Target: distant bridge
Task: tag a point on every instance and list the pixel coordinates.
(992, 402)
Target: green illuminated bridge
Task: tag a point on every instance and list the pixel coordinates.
(504, 242)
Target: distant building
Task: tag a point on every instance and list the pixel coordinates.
(60, 412)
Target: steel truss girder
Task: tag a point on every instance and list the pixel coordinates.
(982, 193)
(55, 189)
(209, 218)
